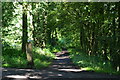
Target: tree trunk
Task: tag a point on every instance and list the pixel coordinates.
(29, 55)
(118, 68)
(81, 37)
(33, 24)
(24, 30)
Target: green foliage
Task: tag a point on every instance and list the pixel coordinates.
(41, 64)
(87, 27)
(56, 49)
(7, 13)
(45, 52)
(15, 62)
(13, 57)
(42, 57)
(94, 63)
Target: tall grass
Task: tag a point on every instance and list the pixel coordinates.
(93, 63)
(14, 58)
(42, 57)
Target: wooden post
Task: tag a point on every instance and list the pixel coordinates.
(29, 55)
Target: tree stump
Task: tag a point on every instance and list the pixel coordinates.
(29, 55)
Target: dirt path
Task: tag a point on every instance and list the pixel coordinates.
(61, 69)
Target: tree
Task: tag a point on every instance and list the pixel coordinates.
(26, 46)
(24, 28)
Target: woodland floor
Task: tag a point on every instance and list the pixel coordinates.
(61, 69)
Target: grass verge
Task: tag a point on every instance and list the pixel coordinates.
(14, 58)
(93, 63)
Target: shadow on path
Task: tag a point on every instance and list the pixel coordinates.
(61, 69)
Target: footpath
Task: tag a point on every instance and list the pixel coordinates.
(62, 68)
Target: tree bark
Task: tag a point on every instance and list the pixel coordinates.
(24, 30)
(29, 55)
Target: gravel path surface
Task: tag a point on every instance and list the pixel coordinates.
(61, 69)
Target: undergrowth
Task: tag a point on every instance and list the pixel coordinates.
(14, 58)
(92, 63)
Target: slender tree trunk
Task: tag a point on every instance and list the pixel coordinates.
(26, 47)
(116, 31)
(33, 32)
(119, 36)
(33, 24)
(104, 35)
(93, 39)
(24, 30)
(81, 37)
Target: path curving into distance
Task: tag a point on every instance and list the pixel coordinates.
(61, 69)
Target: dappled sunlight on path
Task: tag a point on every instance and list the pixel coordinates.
(61, 68)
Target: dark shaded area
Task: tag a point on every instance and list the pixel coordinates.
(67, 79)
